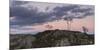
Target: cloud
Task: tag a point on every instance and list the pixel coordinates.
(74, 11)
(62, 10)
(27, 15)
(86, 10)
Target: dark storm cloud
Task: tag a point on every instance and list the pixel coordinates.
(24, 15)
(76, 11)
(15, 3)
(60, 11)
(22, 12)
(87, 10)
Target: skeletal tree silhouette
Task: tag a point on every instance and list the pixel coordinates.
(69, 21)
(85, 30)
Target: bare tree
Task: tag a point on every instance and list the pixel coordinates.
(85, 30)
(69, 21)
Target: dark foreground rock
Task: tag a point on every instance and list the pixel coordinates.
(50, 38)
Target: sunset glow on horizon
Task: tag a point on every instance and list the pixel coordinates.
(76, 25)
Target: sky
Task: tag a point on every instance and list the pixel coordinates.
(29, 17)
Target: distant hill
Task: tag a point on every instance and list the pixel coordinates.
(50, 38)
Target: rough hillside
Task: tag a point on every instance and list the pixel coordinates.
(50, 38)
